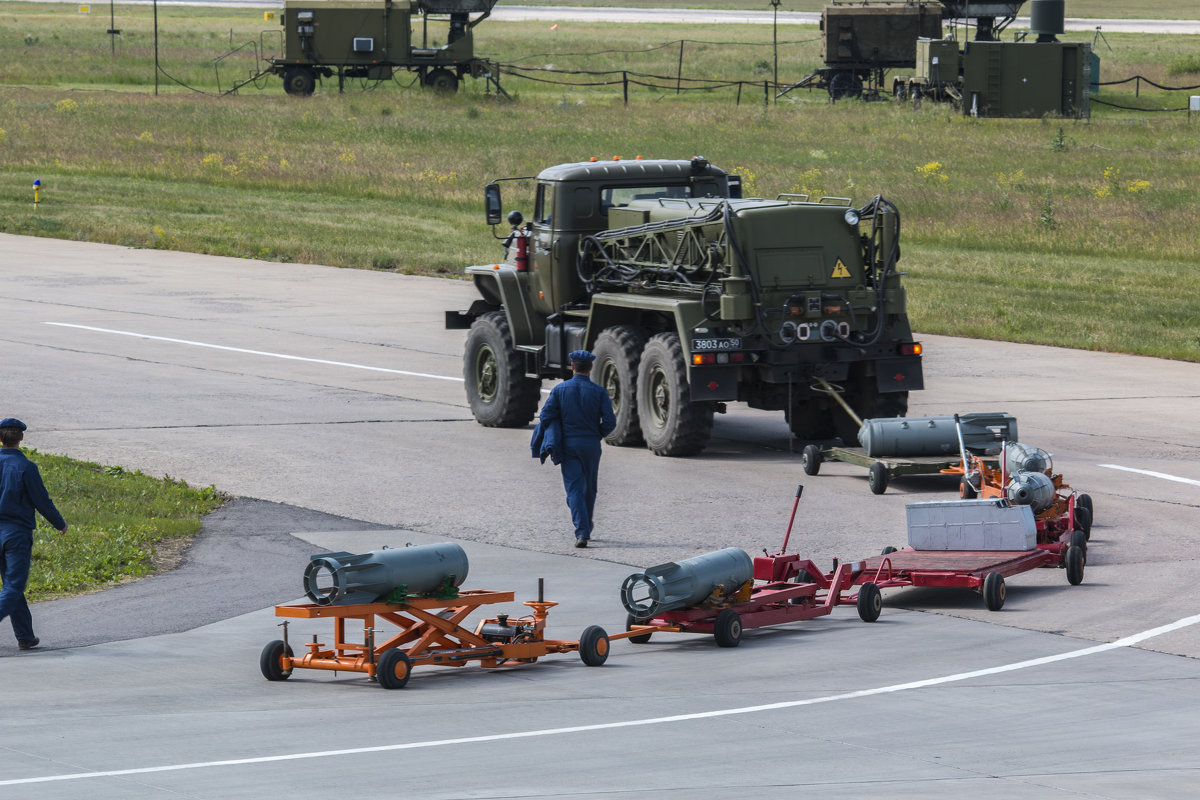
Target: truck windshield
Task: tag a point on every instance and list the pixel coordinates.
(622, 195)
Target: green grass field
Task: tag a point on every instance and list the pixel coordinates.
(1074, 232)
(116, 520)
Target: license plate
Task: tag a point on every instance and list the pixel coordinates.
(715, 343)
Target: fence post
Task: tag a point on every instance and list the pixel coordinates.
(625, 85)
(739, 96)
(679, 71)
(1137, 86)
(766, 95)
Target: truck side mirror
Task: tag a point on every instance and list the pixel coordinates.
(491, 204)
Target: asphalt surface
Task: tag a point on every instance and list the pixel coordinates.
(338, 391)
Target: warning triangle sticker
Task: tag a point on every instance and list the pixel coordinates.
(839, 270)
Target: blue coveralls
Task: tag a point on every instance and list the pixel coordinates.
(21, 492)
(581, 413)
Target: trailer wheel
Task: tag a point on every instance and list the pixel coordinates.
(887, 551)
(671, 423)
(845, 83)
(810, 459)
(870, 602)
(899, 91)
(394, 669)
(877, 478)
(299, 81)
(618, 351)
(270, 662)
(442, 81)
(499, 393)
(641, 638)
(1079, 539)
(1083, 521)
(1075, 559)
(728, 628)
(593, 646)
(994, 591)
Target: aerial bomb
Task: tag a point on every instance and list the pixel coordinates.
(1033, 489)
(343, 578)
(678, 584)
(1026, 458)
(935, 436)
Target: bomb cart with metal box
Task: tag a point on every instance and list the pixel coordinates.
(973, 544)
(415, 590)
(725, 592)
(691, 297)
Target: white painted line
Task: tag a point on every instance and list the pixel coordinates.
(1162, 475)
(257, 352)
(1128, 641)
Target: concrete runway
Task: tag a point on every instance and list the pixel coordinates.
(338, 391)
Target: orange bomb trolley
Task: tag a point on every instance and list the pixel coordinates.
(429, 622)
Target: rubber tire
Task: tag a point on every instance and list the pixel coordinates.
(965, 490)
(593, 646)
(900, 91)
(618, 352)
(1079, 539)
(845, 83)
(887, 551)
(810, 459)
(1074, 563)
(671, 423)
(994, 591)
(877, 478)
(1085, 500)
(498, 392)
(299, 81)
(394, 669)
(641, 638)
(268, 661)
(1083, 523)
(870, 602)
(442, 81)
(811, 419)
(863, 395)
(1084, 503)
(727, 629)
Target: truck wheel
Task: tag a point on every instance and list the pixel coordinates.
(299, 81)
(900, 91)
(811, 419)
(869, 403)
(671, 423)
(497, 389)
(442, 81)
(845, 83)
(618, 350)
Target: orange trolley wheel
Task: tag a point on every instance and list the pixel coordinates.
(270, 662)
(393, 669)
(593, 646)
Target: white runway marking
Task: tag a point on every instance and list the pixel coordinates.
(1128, 641)
(257, 352)
(1162, 475)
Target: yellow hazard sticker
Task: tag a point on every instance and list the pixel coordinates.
(839, 270)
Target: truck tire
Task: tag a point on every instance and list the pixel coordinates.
(499, 393)
(299, 81)
(671, 423)
(442, 81)
(869, 403)
(618, 351)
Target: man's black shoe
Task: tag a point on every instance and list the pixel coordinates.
(28, 644)
(581, 542)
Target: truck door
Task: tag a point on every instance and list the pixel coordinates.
(543, 249)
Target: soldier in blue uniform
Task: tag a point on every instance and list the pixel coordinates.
(574, 418)
(21, 493)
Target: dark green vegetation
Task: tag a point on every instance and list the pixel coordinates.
(116, 519)
(1078, 233)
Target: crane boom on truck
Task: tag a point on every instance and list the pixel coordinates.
(691, 297)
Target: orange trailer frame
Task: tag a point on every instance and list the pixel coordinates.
(430, 632)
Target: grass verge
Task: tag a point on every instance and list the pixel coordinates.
(117, 522)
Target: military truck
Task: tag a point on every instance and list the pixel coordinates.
(372, 39)
(691, 297)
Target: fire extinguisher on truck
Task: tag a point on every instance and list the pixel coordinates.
(519, 238)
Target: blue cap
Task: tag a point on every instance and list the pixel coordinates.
(12, 422)
(581, 357)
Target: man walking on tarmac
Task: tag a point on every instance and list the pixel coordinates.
(574, 418)
(21, 493)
